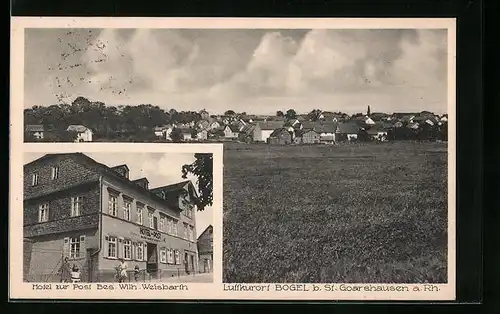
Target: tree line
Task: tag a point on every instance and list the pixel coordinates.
(128, 122)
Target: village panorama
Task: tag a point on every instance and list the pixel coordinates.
(87, 121)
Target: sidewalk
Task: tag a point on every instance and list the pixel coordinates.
(201, 278)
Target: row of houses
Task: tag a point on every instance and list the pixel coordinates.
(38, 132)
(311, 133)
(321, 127)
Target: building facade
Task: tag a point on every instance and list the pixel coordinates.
(206, 250)
(94, 215)
(280, 137)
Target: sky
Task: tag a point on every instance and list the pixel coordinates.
(149, 165)
(257, 71)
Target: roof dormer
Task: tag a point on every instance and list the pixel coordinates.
(142, 182)
(121, 170)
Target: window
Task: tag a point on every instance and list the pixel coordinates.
(112, 205)
(150, 218)
(170, 223)
(127, 249)
(191, 233)
(75, 247)
(162, 223)
(189, 212)
(55, 172)
(75, 206)
(34, 179)
(155, 223)
(112, 247)
(43, 213)
(170, 256)
(186, 228)
(177, 257)
(139, 215)
(163, 255)
(126, 210)
(174, 228)
(140, 252)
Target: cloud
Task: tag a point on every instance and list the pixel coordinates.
(265, 70)
(424, 60)
(238, 68)
(328, 61)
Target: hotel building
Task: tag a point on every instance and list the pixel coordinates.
(77, 208)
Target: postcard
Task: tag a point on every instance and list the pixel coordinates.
(233, 158)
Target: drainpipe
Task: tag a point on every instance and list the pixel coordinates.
(100, 222)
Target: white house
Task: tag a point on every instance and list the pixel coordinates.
(263, 130)
(158, 131)
(35, 130)
(84, 134)
(368, 120)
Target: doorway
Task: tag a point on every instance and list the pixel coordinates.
(152, 259)
(191, 262)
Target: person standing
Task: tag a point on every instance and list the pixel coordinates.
(75, 274)
(65, 271)
(137, 273)
(122, 271)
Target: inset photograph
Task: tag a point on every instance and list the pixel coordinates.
(118, 217)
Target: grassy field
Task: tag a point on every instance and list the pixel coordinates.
(361, 213)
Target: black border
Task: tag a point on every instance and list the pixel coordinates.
(469, 14)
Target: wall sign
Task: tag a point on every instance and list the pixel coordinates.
(149, 234)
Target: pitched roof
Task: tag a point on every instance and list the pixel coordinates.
(348, 128)
(233, 128)
(140, 180)
(375, 129)
(104, 171)
(34, 128)
(326, 127)
(203, 242)
(308, 124)
(277, 132)
(172, 187)
(176, 189)
(77, 128)
(271, 125)
(119, 166)
(248, 128)
(207, 229)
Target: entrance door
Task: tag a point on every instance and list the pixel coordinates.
(152, 259)
(191, 262)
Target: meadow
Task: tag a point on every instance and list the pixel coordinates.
(359, 213)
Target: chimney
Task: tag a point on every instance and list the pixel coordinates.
(121, 170)
(143, 183)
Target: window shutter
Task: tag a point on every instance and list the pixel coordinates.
(83, 248)
(132, 251)
(120, 248)
(66, 247)
(145, 251)
(110, 208)
(105, 245)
